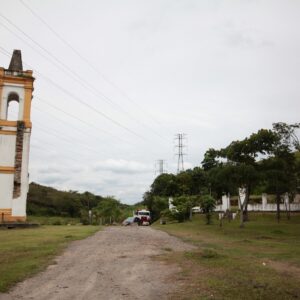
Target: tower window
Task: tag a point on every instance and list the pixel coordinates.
(13, 107)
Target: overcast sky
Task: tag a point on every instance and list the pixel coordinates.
(117, 79)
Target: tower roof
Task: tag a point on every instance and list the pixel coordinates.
(16, 61)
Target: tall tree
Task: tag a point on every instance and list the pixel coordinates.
(210, 159)
(245, 154)
(281, 168)
(165, 185)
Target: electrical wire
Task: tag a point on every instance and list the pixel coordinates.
(91, 125)
(83, 58)
(62, 66)
(74, 97)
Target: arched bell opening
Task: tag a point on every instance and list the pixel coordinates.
(13, 107)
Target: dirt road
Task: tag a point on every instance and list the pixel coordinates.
(115, 263)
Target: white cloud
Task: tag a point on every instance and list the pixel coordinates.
(123, 166)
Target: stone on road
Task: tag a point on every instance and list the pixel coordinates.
(114, 263)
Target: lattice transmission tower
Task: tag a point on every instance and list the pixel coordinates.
(180, 138)
(160, 167)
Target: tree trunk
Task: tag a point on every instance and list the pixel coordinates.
(289, 206)
(241, 213)
(242, 217)
(278, 206)
(245, 213)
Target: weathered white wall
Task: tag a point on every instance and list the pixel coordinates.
(264, 205)
(6, 190)
(7, 151)
(225, 202)
(273, 207)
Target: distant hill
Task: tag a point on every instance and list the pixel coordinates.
(47, 201)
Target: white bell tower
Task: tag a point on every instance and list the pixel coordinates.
(16, 86)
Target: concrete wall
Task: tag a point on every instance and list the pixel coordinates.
(273, 207)
(264, 205)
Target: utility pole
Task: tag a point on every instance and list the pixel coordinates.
(180, 137)
(160, 167)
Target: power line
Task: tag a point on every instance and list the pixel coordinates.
(91, 125)
(74, 97)
(51, 133)
(62, 137)
(5, 52)
(58, 135)
(82, 131)
(74, 75)
(79, 155)
(64, 41)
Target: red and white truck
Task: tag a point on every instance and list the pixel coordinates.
(143, 216)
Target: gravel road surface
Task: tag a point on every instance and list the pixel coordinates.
(115, 263)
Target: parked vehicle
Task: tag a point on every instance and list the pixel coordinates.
(128, 221)
(144, 217)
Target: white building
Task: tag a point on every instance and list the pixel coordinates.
(15, 85)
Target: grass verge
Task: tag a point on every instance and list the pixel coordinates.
(260, 261)
(53, 220)
(24, 252)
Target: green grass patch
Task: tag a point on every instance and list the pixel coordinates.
(53, 220)
(24, 252)
(260, 261)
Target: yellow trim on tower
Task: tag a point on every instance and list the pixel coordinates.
(27, 104)
(7, 170)
(6, 216)
(19, 80)
(7, 132)
(8, 123)
(6, 211)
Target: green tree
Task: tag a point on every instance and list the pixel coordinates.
(200, 181)
(221, 180)
(165, 185)
(183, 207)
(281, 170)
(184, 182)
(210, 159)
(245, 176)
(109, 209)
(243, 156)
(208, 205)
